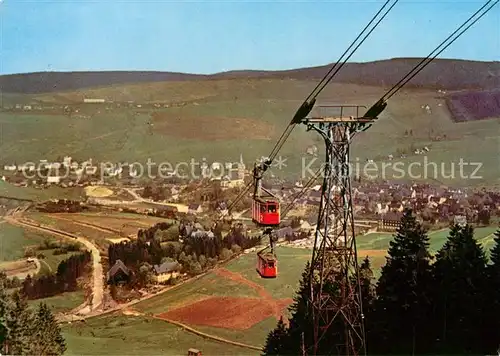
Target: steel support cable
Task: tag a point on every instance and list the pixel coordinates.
(381, 104)
(362, 41)
(426, 61)
(308, 104)
(328, 77)
(312, 94)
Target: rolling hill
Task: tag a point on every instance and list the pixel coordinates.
(226, 115)
(448, 74)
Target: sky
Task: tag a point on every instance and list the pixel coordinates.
(213, 36)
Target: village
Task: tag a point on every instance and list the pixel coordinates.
(437, 205)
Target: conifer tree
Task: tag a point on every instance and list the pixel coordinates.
(460, 277)
(492, 317)
(4, 331)
(399, 323)
(276, 343)
(47, 334)
(300, 328)
(19, 322)
(24, 333)
(367, 287)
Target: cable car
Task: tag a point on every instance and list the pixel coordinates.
(267, 264)
(266, 211)
(266, 214)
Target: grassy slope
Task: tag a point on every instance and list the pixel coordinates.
(13, 241)
(291, 265)
(123, 135)
(127, 335)
(62, 302)
(292, 262)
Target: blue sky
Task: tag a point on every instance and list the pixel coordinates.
(213, 36)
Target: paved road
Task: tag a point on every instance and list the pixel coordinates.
(97, 275)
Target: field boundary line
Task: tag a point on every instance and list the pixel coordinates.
(208, 336)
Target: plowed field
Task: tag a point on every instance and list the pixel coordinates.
(224, 312)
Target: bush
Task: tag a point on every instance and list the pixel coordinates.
(236, 249)
(29, 252)
(73, 246)
(49, 244)
(195, 268)
(225, 254)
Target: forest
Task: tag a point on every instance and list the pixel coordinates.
(421, 304)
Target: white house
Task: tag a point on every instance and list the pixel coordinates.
(11, 167)
(54, 179)
(165, 271)
(93, 101)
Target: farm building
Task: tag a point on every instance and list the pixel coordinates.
(119, 273)
(165, 271)
(195, 208)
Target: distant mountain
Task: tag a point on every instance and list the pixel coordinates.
(450, 74)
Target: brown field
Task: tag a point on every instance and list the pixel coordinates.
(234, 128)
(229, 312)
(13, 268)
(224, 312)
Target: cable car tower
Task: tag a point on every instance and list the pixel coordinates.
(335, 291)
(334, 258)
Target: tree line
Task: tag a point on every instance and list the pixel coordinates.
(421, 304)
(25, 330)
(64, 280)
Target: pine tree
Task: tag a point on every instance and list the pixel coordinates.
(47, 334)
(460, 277)
(277, 340)
(492, 332)
(299, 332)
(399, 323)
(367, 287)
(4, 331)
(19, 324)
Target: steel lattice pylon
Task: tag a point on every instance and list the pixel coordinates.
(335, 297)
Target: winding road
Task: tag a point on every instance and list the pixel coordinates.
(97, 274)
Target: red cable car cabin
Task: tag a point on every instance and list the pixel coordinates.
(267, 265)
(266, 211)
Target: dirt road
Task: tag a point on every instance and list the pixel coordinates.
(97, 275)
